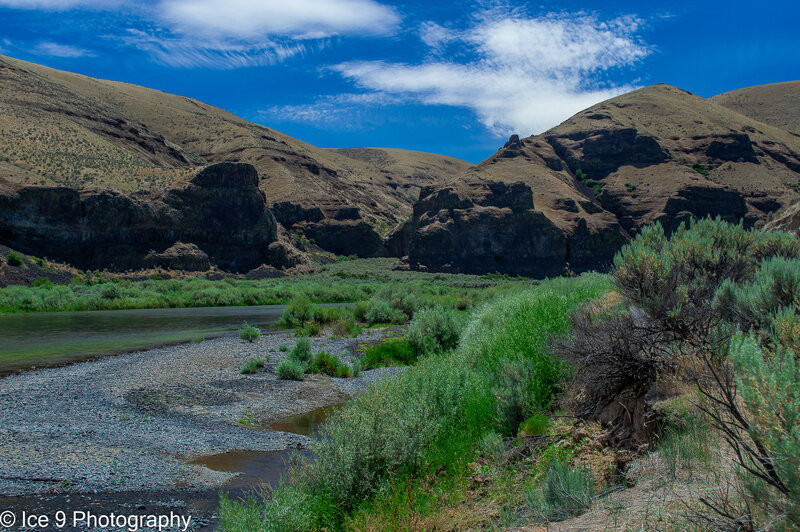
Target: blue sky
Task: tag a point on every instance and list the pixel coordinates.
(446, 77)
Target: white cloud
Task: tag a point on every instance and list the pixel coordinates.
(304, 19)
(187, 52)
(525, 75)
(46, 48)
(235, 33)
(341, 111)
(55, 5)
(54, 49)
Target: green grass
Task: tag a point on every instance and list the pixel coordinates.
(429, 419)
(98, 291)
(389, 352)
(249, 333)
(329, 364)
(252, 365)
(14, 259)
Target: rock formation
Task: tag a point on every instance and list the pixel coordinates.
(656, 154)
(222, 212)
(485, 226)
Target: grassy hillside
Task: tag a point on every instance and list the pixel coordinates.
(62, 128)
(776, 104)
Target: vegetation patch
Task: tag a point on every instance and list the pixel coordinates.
(249, 333)
(252, 365)
(429, 420)
(389, 352)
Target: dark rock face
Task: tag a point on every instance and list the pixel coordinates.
(346, 237)
(600, 152)
(493, 227)
(700, 202)
(282, 255)
(180, 256)
(288, 213)
(692, 201)
(344, 232)
(734, 147)
(347, 213)
(222, 212)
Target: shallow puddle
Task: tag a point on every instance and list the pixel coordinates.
(262, 469)
(258, 469)
(308, 424)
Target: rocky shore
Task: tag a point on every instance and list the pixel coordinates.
(134, 422)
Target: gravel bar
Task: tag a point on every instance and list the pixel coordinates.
(134, 421)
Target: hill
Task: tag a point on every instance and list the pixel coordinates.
(128, 137)
(776, 104)
(655, 154)
(67, 130)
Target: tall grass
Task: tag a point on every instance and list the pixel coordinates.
(390, 304)
(430, 418)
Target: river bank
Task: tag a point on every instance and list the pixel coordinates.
(139, 422)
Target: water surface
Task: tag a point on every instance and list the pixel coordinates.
(259, 470)
(51, 338)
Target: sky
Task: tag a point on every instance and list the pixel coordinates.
(455, 78)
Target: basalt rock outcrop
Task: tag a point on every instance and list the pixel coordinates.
(186, 257)
(66, 130)
(221, 212)
(655, 154)
(341, 230)
(485, 226)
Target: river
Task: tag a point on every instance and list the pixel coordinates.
(53, 338)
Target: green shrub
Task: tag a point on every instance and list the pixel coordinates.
(434, 330)
(289, 368)
(14, 259)
(297, 312)
(283, 348)
(769, 383)
(413, 421)
(326, 363)
(491, 444)
(301, 351)
(389, 352)
(42, 281)
(330, 365)
(345, 328)
(249, 333)
(567, 492)
(535, 425)
(360, 311)
(110, 291)
(356, 369)
(252, 365)
(311, 328)
(381, 311)
(776, 285)
(288, 511)
(430, 417)
(328, 314)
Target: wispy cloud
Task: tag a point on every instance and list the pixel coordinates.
(46, 48)
(524, 74)
(57, 5)
(301, 19)
(233, 33)
(340, 111)
(187, 52)
(54, 49)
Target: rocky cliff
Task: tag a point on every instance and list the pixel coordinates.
(656, 154)
(63, 130)
(221, 212)
(485, 226)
